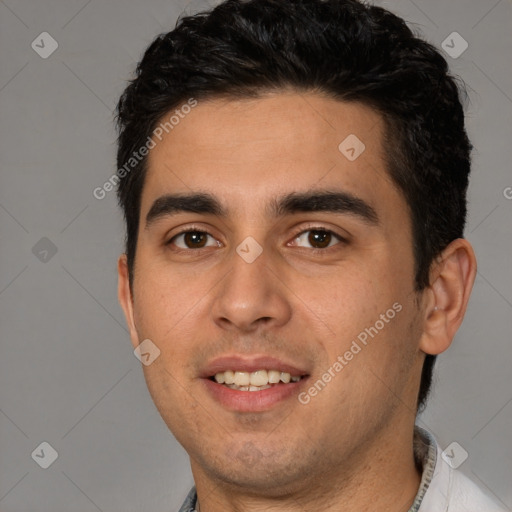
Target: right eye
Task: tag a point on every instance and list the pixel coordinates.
(193, 239)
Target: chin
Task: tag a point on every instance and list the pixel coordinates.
(242, 466)
(260, 481)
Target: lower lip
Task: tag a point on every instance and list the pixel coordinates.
(252, 401)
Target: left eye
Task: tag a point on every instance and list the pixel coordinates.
(193, 240)
(318, 238)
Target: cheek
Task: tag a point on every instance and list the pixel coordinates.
(170, 311)
(371, 321)
(164, 299)
(390, 352)
(375, 374)
(350, 300)
(174, 399)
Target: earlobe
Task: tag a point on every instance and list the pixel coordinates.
(124, 294)
(452, 277)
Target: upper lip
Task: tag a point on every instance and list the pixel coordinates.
(250, 364)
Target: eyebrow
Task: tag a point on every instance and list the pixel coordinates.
(295, 202)
(324, 201)
(171, 204)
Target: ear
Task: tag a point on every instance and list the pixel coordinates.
(446, 299)
(124, 294)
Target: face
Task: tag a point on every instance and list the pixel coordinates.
(267, 248)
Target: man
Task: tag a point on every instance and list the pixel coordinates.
(293, 178)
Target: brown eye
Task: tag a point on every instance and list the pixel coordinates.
(319, 239)
(193, 240)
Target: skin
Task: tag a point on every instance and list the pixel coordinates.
(352, 443)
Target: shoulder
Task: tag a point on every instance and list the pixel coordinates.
(466, 496)
(452, 491)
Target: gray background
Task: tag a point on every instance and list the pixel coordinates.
(68, 375)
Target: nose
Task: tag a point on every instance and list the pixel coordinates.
(251, 295)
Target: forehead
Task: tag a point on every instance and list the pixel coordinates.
(270, 146)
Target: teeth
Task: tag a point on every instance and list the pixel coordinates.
(285, 377)
(259, 378)
(248, 388)
(242, 378)
(255, 381)
(274, 376)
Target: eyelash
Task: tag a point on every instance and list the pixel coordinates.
(194, 229)
(325, 250)
(190, 229)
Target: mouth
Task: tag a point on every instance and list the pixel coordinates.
(252, 384)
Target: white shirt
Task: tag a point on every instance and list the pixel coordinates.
(444, 489)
